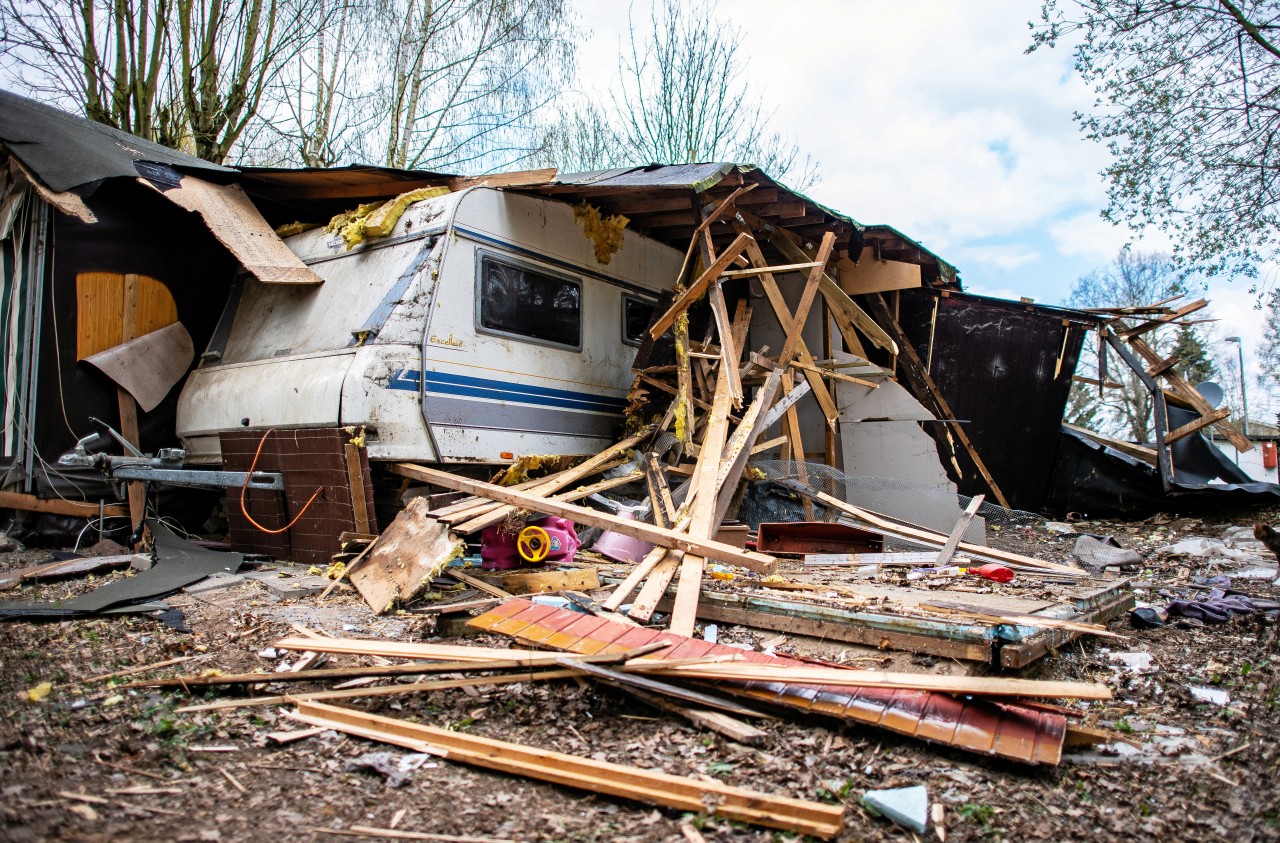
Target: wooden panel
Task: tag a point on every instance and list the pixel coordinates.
(100, 310)
(869, 275)
(58, 506)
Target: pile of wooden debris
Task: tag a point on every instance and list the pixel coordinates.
(637, 633)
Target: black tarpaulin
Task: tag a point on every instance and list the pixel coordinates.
(1096, 481)
(1005, 369)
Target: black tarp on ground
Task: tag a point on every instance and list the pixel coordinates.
(1004, 369)
(179, 563)
(1098, 482)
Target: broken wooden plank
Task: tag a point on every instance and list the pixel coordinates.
(882, 630)
(801, 316)
(703, 519)
(543, 582)
(1039, 621)
(683, 794)
(1147, 455)
(1188, 393)
(928, 537)
(843, 307)
(355, 479)
(834, 375)
(411, 669)
(759, 562)
(655, 586)
(729, 353)
(387, 690)
(783, 404)
(64, 568)
(838, 560)
(477, 584)
(987, 686)
(457, 606)
(644, 683)
(58, 506)
(699, 286)
(657, 479)
(634, 578)
(705, 718)
(785, 321)
(558, 481)
(415, 548)
(1197, 425)
(401, 834)
(1161, 321)
(957, 533)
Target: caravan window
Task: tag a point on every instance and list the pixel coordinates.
(636, 315)
(519, 300)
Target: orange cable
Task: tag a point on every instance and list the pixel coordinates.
(245, 512)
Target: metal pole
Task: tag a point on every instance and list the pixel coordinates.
(1244, 393)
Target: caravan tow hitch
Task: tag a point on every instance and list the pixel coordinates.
(165, 468)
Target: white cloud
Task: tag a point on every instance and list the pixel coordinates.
(1002, 258)
(926, 115)
(1087, 235)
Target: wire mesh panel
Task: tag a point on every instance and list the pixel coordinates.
(885, 495)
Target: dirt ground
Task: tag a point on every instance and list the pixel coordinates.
(93, 761)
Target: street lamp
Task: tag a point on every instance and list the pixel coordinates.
(1244, 395)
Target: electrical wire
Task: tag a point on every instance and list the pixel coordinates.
(244, 510)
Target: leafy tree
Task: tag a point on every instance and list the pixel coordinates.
(681, 96)
(1132, 279)
(1194, 361)
(1269, 354)
(1188, 103)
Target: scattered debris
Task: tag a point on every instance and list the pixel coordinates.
(907, 806)
(396, 768)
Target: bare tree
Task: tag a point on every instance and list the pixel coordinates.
(185, 73)
(683, 96)
(112, 61)
(582, 139)
(229, 54)
(1132, 279)
(321, 107)
(467, 77)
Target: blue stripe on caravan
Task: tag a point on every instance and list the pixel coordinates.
(450, 384)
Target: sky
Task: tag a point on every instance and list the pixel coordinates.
(929, 116)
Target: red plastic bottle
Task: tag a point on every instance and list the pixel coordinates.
(999, 573)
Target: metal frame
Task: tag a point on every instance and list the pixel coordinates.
(1160, 410)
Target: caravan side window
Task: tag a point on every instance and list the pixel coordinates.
(518, 300)
(636, 315)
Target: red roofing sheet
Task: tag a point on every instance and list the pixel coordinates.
(1007, 730)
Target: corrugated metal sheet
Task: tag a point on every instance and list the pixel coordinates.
(1004, 730)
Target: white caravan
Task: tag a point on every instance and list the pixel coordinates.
(482, 326)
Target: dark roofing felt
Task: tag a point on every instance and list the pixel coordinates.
(65, 151)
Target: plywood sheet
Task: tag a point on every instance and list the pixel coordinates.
(100, 310)
(870, 275)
